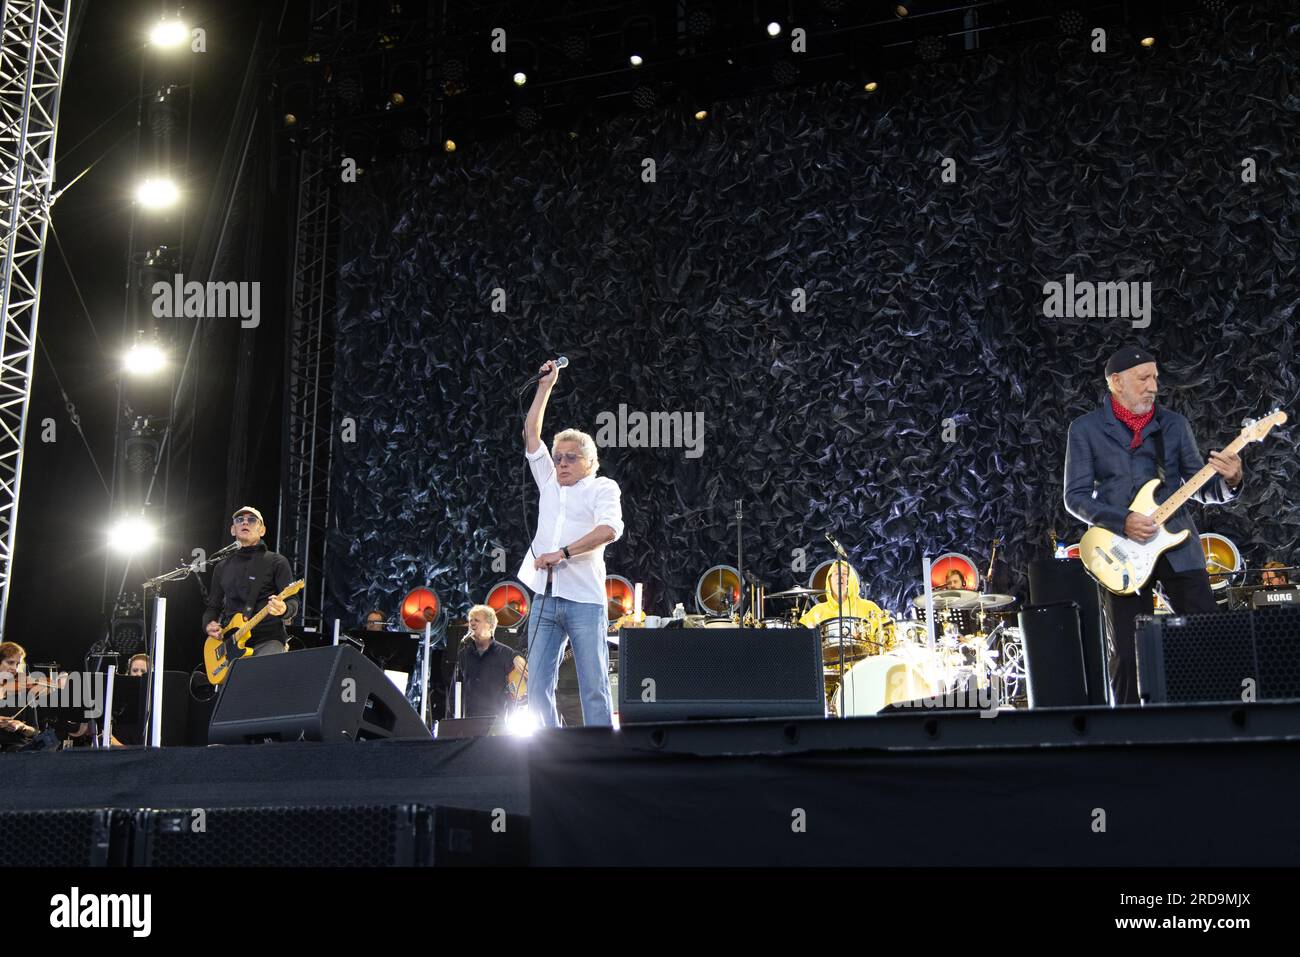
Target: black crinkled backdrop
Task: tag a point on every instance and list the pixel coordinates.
(924, 303)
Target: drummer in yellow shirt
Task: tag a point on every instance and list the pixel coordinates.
(855, 606)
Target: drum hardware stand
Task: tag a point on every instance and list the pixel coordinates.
(740, 557)
(841, 583)
(151, 726)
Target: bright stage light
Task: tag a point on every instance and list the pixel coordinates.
(774, 29)
(157, 193)
(521, 722)
(131, 535)
(169, 33)
(449, 146)
(143, 358)
(635, 59)
(1148, 42)
(520, 78)
(871, 86)
(701, 114)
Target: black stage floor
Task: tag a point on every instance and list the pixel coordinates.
(1184, 785)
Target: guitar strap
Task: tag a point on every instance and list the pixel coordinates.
(1158, 436)
(263, 576)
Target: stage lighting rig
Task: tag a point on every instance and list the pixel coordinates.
(157, 193)
(169, 33)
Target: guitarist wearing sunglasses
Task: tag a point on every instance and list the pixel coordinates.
(248, 581)
(1110, 454)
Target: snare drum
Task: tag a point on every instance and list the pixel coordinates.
(848, 633)
(778, 623)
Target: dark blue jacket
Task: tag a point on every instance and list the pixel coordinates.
(1102, 474)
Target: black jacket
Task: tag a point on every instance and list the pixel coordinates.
(243, 584)
(1102, 474)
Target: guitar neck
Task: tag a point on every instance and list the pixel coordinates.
(1193, 485)
(253, 622)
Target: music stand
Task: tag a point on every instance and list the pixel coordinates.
(129, 705)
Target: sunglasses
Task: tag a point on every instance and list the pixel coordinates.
(245, 520)
(572, 458)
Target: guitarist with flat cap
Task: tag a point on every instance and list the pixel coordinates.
(1111, 453)
(248, 581)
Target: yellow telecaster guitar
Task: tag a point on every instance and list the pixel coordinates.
(1122, 565)
(220, 653)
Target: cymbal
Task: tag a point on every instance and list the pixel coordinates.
(949, 599)
(995, 601)
(795, 592)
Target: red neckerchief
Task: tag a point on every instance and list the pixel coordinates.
(1134, 421)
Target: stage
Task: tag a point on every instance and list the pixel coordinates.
(1184, 785)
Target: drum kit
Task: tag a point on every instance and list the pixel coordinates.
(877, 659)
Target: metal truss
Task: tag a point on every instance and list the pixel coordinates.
(309, 380)
(33, 51)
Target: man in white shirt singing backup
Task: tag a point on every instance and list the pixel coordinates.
(578, 514)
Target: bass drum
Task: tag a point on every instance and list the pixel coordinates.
(881, 680)
(568, 699)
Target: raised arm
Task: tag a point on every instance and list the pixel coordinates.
(537, 411)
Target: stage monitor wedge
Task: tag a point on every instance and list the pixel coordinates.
(321, 694)
(686, 674)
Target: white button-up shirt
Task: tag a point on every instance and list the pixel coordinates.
(564, 515)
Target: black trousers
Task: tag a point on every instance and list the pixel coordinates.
(1188, 593)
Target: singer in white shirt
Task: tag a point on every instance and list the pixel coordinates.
(578, 514)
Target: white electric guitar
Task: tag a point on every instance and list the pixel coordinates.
(1122, 565)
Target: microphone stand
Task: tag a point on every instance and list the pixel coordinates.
(179, 573)
(840, 584)
(740, 559)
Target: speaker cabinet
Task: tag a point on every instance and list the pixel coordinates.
(77, 838)
(682, 674)
(1054, 580)
(363, 836)
(1054, 655)
(468, 837)
(321, 694)
(1239, 655)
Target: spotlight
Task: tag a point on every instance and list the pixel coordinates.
(521, 722)
(449, 146)
(900, 11)
(701, 115)
(871, 86)
(701, 20)
(645, 97)
(929, 48)
(169, 33)
(349, 91)
(774, 29)
(639, 40)
(131, 535)
(397, 99)
(1071, 22)
(1148, 42)
(520, 78)
(575, 47)
(143, 358)
(290, 119)
(157, 192)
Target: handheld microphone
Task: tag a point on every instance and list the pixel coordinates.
(561, 362)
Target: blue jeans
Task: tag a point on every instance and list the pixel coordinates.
(585, 625)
